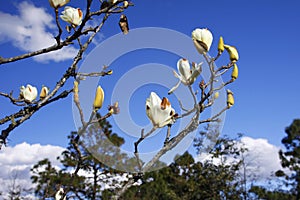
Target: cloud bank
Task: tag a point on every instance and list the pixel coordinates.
(262, 158)
(16, 162)
(33, 29)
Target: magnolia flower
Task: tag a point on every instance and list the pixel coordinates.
(186, 75)
(29, 93)
(160, 112)
(99, 98)
(233, 53)
(202, 39)
(72, 15)
(44, 92)
(58, 3)
(59, 194)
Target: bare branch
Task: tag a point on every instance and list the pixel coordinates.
(193, 124)
(28, 111)
(142, 138)
(57, 38)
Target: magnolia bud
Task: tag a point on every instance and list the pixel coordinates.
(109, 72)
(221, 45)
(99, 98)
(44, 92)
(114, 109)
(235, 72)
(216, 95)
(233, 53)
(75, 90)
(230, 99)
(202, 84)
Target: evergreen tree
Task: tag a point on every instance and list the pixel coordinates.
(260, 192)
(290, 158)
(187, 179)
(95, 174)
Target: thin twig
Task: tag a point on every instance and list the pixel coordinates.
(142, 138)
(69, 40)
(57, 38)
(224, 84)
(27, 112)
(168, 134)
(170, 145)
(17, 102)
(213, 119)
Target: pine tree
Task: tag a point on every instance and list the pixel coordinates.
(79, 155)
(187, 179)
(290, 158)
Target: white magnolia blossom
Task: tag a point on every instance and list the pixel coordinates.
(202, 39)
(58, 3)
(159, 111)
(72, 15)
(186, 75)
(59, 194)
(28, 93)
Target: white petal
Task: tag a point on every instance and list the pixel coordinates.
(161, 116)
(154, 99)
(184, 68)
(207, 38)
(197, 34)
(72, 15)
(152, 103)
(202, 36)
(112, 1)
(196, 71)
(58, 3)
(158, 116)
(77, 17)
(166, 117)
(30, 93)
(176, 75)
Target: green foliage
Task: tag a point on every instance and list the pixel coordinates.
(290, 158)
(216, 178)
(187, 179)
(48, 179)
(263, 193)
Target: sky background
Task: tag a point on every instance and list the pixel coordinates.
(266, 34)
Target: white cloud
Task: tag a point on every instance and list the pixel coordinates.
(261, 158)
(18, 160)
(30, 31)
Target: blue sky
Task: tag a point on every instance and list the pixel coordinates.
(265, 32)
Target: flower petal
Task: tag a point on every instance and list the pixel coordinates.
(202, 39)
(184, 68)
(158, 111)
